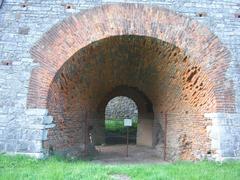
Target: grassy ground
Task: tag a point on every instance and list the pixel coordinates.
(19, 167)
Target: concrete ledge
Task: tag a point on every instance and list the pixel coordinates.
(224, 119)
(224, 133)
(34, 155)
(37, 112)
(41, 126)
(223, 159)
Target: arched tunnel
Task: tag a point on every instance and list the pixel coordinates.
(170, 89)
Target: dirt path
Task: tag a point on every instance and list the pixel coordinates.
(116, 154)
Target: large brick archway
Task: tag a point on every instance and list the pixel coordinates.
(183, 70)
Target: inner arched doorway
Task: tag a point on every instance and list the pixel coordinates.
(178, 66)
(118, 109)
(145, 112)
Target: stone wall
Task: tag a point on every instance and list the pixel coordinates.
(120, 108)
(23, 23)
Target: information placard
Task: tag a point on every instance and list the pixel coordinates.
(127, 122)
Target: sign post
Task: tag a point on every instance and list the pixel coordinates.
(127, 123)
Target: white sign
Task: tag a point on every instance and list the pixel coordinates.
(127, 122)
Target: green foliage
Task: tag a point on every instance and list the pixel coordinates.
(116, 126)
(20, 167)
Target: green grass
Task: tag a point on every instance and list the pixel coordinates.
(116, 126)
(20, 167)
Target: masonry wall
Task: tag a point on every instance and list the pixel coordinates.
(121, 107)
(23, 23)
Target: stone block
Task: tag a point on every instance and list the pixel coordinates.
(11, 147)
(48, 120)
(2, 147)
(22, 146)
(35, 146)
(24, 30)
(37, 112)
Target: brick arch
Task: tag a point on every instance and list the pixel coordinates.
(140, 99)
(66, 38)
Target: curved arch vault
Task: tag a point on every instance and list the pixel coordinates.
(167, 63)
